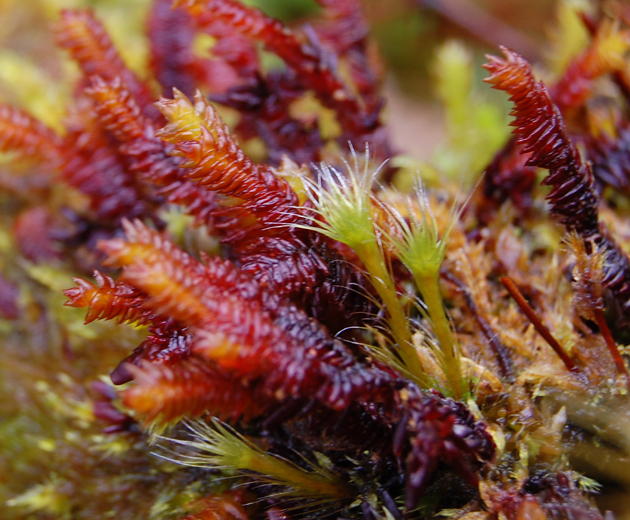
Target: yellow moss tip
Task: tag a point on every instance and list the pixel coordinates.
(184, 117)
(344, 205)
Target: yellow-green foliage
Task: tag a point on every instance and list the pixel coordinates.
(350, 215)
(568, 36)
(420, 247)
(43, 84)
(476, 127)
(44, 498)
(55, 461)
(30, 87)
(220, 447)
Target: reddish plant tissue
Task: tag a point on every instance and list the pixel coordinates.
(573, 197)
(238, 342)
(263, 335)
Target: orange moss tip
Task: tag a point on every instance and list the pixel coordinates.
(80, 296)
(109, 300)
(183, 288)
(185, 118)
(216, 162)
(141, 242)
(163, 394)
(22, 133)
(204, 139)
(506, 72)
(166, 274)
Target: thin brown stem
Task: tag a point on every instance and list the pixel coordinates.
(610, 342)
(538, 325)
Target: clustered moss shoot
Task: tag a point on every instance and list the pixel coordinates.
(58, 463)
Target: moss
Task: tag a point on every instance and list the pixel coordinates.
(316, 310)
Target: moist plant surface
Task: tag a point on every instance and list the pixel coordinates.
(275, 315)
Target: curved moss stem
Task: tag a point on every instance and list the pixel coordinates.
(429, 286)
(373, 260)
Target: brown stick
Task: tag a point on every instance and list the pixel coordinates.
(538, 325)
(610, 342)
